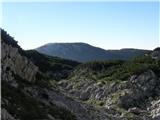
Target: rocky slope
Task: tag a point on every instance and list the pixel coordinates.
(18, 75)
(27, 94)
(128, 90)
(40, 87)
(83, 52)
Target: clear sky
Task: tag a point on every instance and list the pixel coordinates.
(109, 25)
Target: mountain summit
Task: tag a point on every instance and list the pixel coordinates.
(84, 52)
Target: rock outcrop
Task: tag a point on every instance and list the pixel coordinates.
(131, 99)
(12, 60)
(142, 86)
(155, 109)
(156, 53)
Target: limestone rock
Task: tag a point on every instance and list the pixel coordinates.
(18, 64)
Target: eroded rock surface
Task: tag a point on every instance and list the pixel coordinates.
(18, 64)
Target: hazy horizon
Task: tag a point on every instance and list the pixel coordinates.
(108, 25)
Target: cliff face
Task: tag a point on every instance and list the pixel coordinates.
(13, 61)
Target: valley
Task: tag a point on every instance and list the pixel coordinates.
(36, 86)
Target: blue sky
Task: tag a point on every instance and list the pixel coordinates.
(109, 25)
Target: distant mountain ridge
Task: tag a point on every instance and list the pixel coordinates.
(83, 52)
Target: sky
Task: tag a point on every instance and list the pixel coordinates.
(109, 25)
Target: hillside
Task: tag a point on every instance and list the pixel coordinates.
(40, 87)
(126, 89)
(83, 52)
(28, 93)
(52, 67)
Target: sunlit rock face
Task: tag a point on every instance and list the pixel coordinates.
(13, 61)
(142, 87)
(155, 109)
